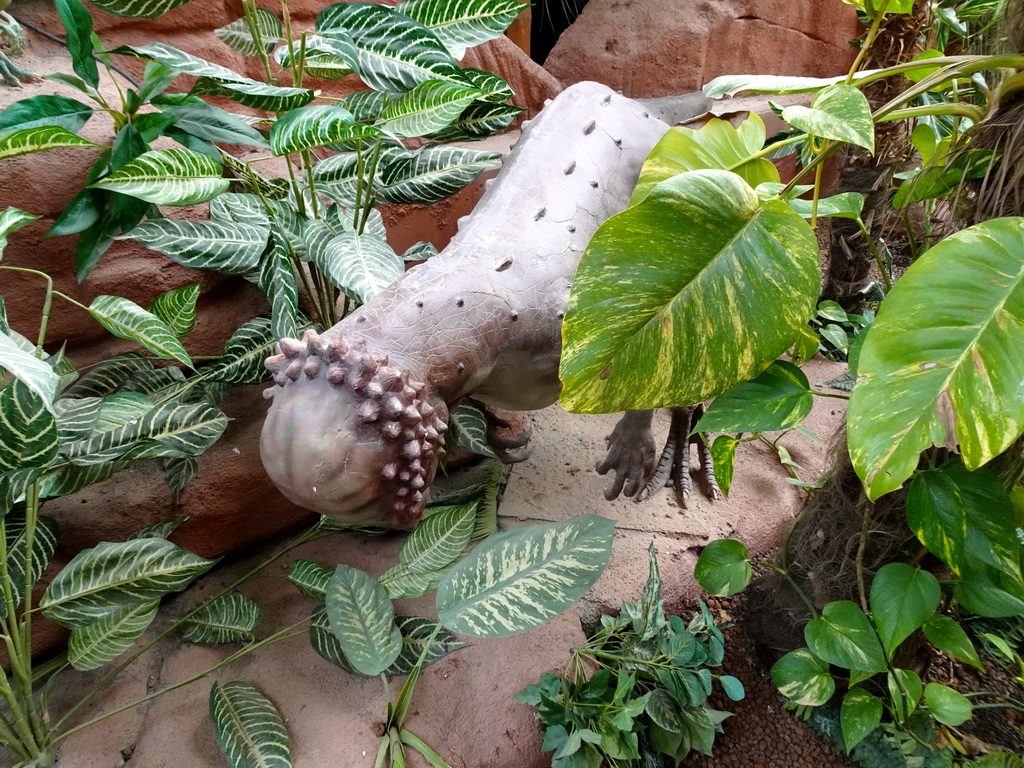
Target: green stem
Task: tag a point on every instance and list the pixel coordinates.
(828, 394)
(962, 110)
(875, 254)
(767, 151)
(371, 198)
(796, 588)
(31, 521)
(249, 8)
(876, 23)
(816, 197)
(865, 511)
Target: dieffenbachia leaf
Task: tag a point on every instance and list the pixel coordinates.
(40, 139)
(700, 255)
(248, 727)
(362, 619)
(360, 265)
(838, 112)
(237, 34)
(177, 308)
(431, 106)
(945, 371)
(464, 24)
(228, 619)
(127, 320)
(104, 640)
(227, 247)
(316, 126)
(393, 52)
(431, 174)
(519, 579)
(110, 576)
(168, 177)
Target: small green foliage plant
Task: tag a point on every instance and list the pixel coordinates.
(648, 697)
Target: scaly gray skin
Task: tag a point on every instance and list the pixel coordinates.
(358, 414)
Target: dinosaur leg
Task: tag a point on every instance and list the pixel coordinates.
(510, 448)
(12, 41)
(631, 454)
(673, 467)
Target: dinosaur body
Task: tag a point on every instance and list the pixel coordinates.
(358, 413)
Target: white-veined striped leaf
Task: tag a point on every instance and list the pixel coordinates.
(237, 34)
(241, 361)
(463, 24)
(316, 234)
(277, 281)
(29, 369)
(44, 544)
(310, 578)
(329, 58)
(28, 429)
(478, 121)
(228, 247)
(402, 582)
(519, 579)
(160, 530)
(494, 89)
(171, 429)
(316, 126)
(241, 208)
(12, 219)
(40, 139)
(415, 632)
(177, 308)
(341, 172)
(420, 252)
(366, 106)
(362, 619)
(272, 189)
(360, 265)
(81, 418)
(179, 473)
(128, 320)
(228, 619)
(439, 539)
(107, 376)
(143, 9)
(469, 428)
(168, 177)
(431, 106)
(63, 366)
(249, 729)
(394, 52)
(104, 640)
(71, 479)
(13, 484)
(432, 174)
(100, 580)
(730, 85)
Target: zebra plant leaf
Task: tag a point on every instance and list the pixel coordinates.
(81, 418)
(469, 426)
(96, 644)
(493, 88)
(177, 308)
(32, 372)
(143, 9)
(240, 208)
(179, 473)
(393, 52)
(11, 220)
(109, 576)
(329, 58)
(310, 578)
(127, 320)
(71, 479)
(431, 106)
(237, 34)
(402, 582)
(949, 372)
(107, 376)
(227, 247)
(432, 174)
(44, 544)
(40, 139)
(228, 619)
(519, 579)
(700, 254)
(168, 177)
(342, 172)
(160, 530)
(28, 429)
(241, 361)
(316, 126)
(439, 539)
(360, 265)
(14, 483)
(248, 727)
(478, 121)
(461, 25)
(277, 280)
(362, 619)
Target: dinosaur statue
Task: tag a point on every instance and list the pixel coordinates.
(358, 415)
(12, 43)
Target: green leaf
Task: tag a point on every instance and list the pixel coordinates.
(28, 429)
(46, 109)
(127, 320)
(700, 255)
(168, 177)
(360, 265)
(393, 52)
(950, 638)
(241, 361)
(177, 308)
(902, 599)
(732, 687)
(159, 530)
(44, 544)
(327, 58)
(843, 636)
(803, 678)
(211, 123)
(107, 376)
(946, 371)
(13, 484)
(730, 85)
(778, 398)
(723, 568)
(469, 429)
(34, 373)
(229, 248)
(959, 514)
(837, 112)
(78, 33)
(316, 126)
(461, 25)
(145, 9)
(860, 714)
(11, 220)
(228, 619)
(102, 641)
(478, 121)
(310, 578)
(71, 479)
(723, 459)
(904, 691)
(110, 576)
(431, 106)
(277, 281)
(946, 705)
(439, 539)
(363, 620)
(847, 205)
(432, 173)
(717, 143)
(249, 729)
(39, 139)
(519, 579)
(238, 36)
(979, 594)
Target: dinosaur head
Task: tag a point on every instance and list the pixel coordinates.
(349, 435)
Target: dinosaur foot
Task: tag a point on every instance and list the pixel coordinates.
(511, 446)
(673, 468)
(13, 75)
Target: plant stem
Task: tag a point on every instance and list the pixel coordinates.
(876, 23)
(767, 151)
(828, 394)
(816, 197)
(865, 508)
(875, 254)
(796, 587)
